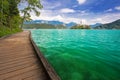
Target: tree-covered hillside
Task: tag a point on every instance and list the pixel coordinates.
(43, 26)
(9, 17)
(112, 25)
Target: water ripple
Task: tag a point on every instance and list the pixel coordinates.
(81, 54)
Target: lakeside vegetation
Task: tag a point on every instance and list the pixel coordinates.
(7, 31)
(10, 19)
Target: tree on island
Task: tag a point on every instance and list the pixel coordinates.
(80, 27)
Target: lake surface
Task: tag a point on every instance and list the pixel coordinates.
(81, 54)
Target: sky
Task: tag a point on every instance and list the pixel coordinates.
(85, 11)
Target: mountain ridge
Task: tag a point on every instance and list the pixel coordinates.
(54, 22)
(112, 25)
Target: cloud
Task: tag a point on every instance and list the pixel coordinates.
(89, 18)
(67, 10)
(50, 5)
(81, 1)
(75, 6)
(56, 11)
(109, 10)
(21, 6)
(54, 15)
(69, 15)
(117, 7)
(58, 17)
(103, 18)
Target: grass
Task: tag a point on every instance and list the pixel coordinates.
(7, 31)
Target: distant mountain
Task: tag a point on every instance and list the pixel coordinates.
(43, 26)
(112, 25)
(55, 23)
(69, 25)
(95, 25)
(43, 21)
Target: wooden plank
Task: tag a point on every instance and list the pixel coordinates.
(29, 75)
(18, 59)
(20, 71)
(17, 53)
(14, 59)
(20, 66)
(12, 50)
(16, 64)
(34, 77)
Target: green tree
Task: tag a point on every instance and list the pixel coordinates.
(13, 12)
(8, 10)
(4, 11)
(80, 27)
(9, 17)
(32, 6)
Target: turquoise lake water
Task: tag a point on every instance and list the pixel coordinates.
(81, 54)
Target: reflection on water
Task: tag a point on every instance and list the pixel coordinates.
(81, 54)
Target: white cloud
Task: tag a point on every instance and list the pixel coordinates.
(117, 8)
(67, 10)
(48, 13)
(53, 15)
(81, 1)
(83, 12)
(89, 18)
(104, 18)
(109, 10)
(75, 6)
(48, 5)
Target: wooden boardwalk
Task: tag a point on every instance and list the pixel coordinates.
(18, 59)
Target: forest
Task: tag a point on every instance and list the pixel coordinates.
(10, 19)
